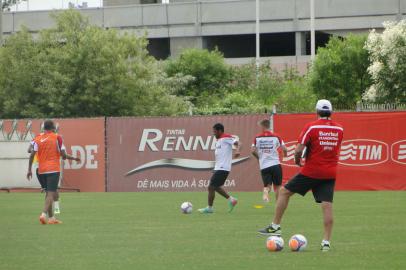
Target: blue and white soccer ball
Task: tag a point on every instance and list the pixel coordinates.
(186, 208)
(297, 242)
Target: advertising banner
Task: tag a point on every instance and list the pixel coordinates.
(373, 152)
(177, 154)
(82, 137)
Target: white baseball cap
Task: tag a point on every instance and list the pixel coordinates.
(324, 105)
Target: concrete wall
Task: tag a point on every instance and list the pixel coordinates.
(186, 23)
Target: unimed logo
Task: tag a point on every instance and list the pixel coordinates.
(399, 152)
(363, 152)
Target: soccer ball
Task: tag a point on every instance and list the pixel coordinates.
(274, 243)
(297, 242)
(186, 208)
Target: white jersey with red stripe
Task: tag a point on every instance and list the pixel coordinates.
(267, 145)
(224, 152)
(322, 139)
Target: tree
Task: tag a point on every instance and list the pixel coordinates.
(6, 4)
(339, 72)
(209, 71)
(77, 69)
(388, 63)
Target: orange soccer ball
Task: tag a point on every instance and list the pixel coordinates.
(274, 243)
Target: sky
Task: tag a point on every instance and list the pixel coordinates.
(53, 4)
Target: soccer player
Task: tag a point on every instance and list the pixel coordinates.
(322, 140)
(223, 156)
(49, 148)
(41, 180)
(265, 148)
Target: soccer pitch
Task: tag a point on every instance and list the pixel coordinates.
(147, 231)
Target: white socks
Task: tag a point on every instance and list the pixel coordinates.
(325, 242)
(275, 226)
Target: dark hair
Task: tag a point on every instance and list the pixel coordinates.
(219, 127)
(265, 123)
(324, 113)
(49, 125)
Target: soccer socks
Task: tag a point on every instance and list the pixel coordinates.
(325, 242)
(275, 226)
(57, 210)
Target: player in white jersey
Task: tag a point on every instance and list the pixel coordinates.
(224, 156)
(265, 148)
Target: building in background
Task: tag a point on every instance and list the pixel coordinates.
(229, 25)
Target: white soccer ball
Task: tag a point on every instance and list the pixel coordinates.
(297, 242)
(274, 243)
(186, 208)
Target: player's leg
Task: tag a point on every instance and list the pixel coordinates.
(56, 206)
(299, 184)
(232, 202)
(41, 181)
(52, 188)
(327, 208)
(267, 181)
(211, 194)
(281, 204)
(323, 193)
(277, 180)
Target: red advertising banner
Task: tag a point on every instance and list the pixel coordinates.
(373, 152)
(82, 137)
(176, 154)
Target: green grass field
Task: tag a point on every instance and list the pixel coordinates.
(147, 231)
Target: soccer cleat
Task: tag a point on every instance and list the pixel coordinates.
(43, 219)
(54, 221)
(206, 210)
(325, 247)
(271, 231)
(231, 204)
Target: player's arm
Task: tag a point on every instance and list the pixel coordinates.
(298, 153)
(237, 152)
(30, 148)
(30, 161)
(62, 149)
(67, 156)
(254, 151)
(284, 150)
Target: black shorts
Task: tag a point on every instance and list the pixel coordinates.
(272, 175)
(41, 180)
(51, 181)
(218, 178)
(323, 189)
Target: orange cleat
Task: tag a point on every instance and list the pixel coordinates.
(54, 221)
(43, 219)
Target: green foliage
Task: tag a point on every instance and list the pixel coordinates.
(209, 70)
(244, 94)
(77, 69)
(339, 72)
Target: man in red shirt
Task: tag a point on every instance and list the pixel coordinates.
(320, 143)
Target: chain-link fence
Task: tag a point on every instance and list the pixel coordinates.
(356, 107)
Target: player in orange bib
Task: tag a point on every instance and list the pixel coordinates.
(49, 149)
